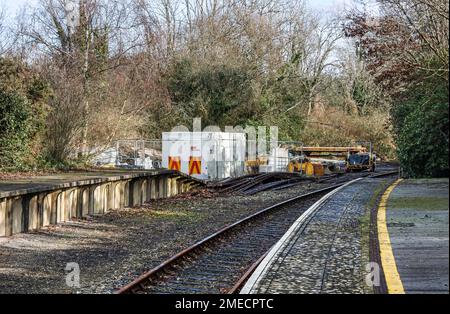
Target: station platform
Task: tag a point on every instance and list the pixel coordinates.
(30, 204)
(34, 184)
(418, 227)
(328, 249)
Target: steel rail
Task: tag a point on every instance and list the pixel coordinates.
(139, 283)
(241, 282)
(153, 273)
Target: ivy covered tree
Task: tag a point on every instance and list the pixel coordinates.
(23, 109)
(15, 130)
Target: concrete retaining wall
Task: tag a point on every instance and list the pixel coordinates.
(32, 210)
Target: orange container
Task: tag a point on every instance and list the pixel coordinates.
(319, 170)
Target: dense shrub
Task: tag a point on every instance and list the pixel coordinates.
(421, 124)
(15, 130)
(219, 94)
(23, 110)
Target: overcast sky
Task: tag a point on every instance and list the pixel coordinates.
(13, 6)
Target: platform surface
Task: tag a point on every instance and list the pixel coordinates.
(417, 220)
(324, 251)
(13, 187)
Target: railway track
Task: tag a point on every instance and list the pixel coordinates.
(222, 262)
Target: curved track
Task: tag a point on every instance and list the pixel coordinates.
(223, 261)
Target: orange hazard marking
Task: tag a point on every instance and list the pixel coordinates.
(175, 163)
(195, 166)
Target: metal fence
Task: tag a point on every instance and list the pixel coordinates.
(225, 158)
(139, 154)
(220, 155)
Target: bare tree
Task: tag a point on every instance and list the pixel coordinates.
(408, 37)
(313, 53)
(428, 21)
(7, 36)
(110, 63)
(84, 40)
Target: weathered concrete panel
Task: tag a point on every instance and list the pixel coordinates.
(126, 194)
(98, 204)
(68, 205)
(2, 217)
(181, 186)
(161, 187)
(79, 205)
(185, 187)
(60, 207)
(85, 203)
(168, 186)
(17, 216)
(144, 191)
(109, 197)
(105, 196)
(173, 187)
(118, 195)
(148, 192)
(54, 208)
(47, 210)
(153, 189)
(73, 201)
(136, 189)
(41, 208)
(33, 222)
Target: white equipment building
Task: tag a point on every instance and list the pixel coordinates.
(277, 161)
(205, 155)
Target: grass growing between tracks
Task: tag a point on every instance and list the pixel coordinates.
(169, 215)
(165, 220)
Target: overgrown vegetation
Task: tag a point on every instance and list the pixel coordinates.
(23, 110)
(14, 130)
(421, 121)
(406, 52)
(132, 69)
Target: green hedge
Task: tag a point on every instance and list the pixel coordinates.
(15, 130)
(421, 122)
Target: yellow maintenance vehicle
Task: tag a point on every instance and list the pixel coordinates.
(317, 160)
(252, 165)
(361, 161)
(306, 166)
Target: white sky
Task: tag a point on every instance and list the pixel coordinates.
(12, 6)
(329, 5)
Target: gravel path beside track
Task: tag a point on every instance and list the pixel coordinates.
(114, 249)
(336, 263)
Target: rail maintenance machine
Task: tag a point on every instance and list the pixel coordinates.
(332, 159)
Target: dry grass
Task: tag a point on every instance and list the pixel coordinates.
(334, 126)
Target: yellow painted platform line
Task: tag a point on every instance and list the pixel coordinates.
(393, 281)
